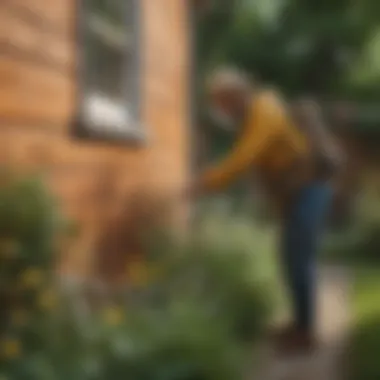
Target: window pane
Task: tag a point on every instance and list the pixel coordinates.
(109, 61)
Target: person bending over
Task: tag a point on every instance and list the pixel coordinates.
(296, 161)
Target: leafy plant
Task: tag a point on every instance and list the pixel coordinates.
(185, 313)
(223, 271)
(364, 343)
(30, 228)
(361, 243)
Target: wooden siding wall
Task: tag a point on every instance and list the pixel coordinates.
(95, 181)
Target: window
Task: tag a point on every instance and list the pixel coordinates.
(109, 70)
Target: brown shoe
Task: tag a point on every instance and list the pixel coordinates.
(282, 332)
(298, 342)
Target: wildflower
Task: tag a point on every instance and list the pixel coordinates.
(32, 277)
(138, 274)
(113, 316)
(9, 248)
(19, 318)
(156, 272)
(48, 300)
(11, 348)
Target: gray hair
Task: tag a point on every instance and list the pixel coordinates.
(228, 79)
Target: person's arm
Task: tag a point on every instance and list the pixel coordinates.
(259, 131)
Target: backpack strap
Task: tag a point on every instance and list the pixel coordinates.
(328, 158)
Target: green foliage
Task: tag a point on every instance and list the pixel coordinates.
(364, 351)
(27, 213)
(297, 45)
(365, 338)
(30, 227)
(188, 311)
(214, 288)
(225, 267)
(177, 344)
(360, 242)
(224, 285)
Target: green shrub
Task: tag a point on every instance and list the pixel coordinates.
(219, 281)
(178, 343)
(225, 266)
(364, 344)
(30, 226)
(186, 312)
(364, 350)
(360, 242)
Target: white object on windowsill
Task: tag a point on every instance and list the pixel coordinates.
(105, 114)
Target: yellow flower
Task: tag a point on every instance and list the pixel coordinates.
(113, 316)
(32, 277)
(138, 274)
(19, 318)
(156, 272)
(48, 300)
(11, 348)
(9, 248)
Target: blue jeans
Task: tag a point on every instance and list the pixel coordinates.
(301, 236)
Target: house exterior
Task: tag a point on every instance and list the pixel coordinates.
(96, 94)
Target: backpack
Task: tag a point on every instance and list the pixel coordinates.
(327, 157)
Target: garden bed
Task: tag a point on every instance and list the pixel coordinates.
(189, 310)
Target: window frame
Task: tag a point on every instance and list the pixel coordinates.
(81, 129)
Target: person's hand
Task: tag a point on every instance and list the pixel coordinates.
(191, 190)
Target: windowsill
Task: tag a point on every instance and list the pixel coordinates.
(132, 136)
(102, 119)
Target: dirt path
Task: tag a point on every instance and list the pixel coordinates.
(333, 320)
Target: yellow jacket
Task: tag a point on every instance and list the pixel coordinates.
(269, 142)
